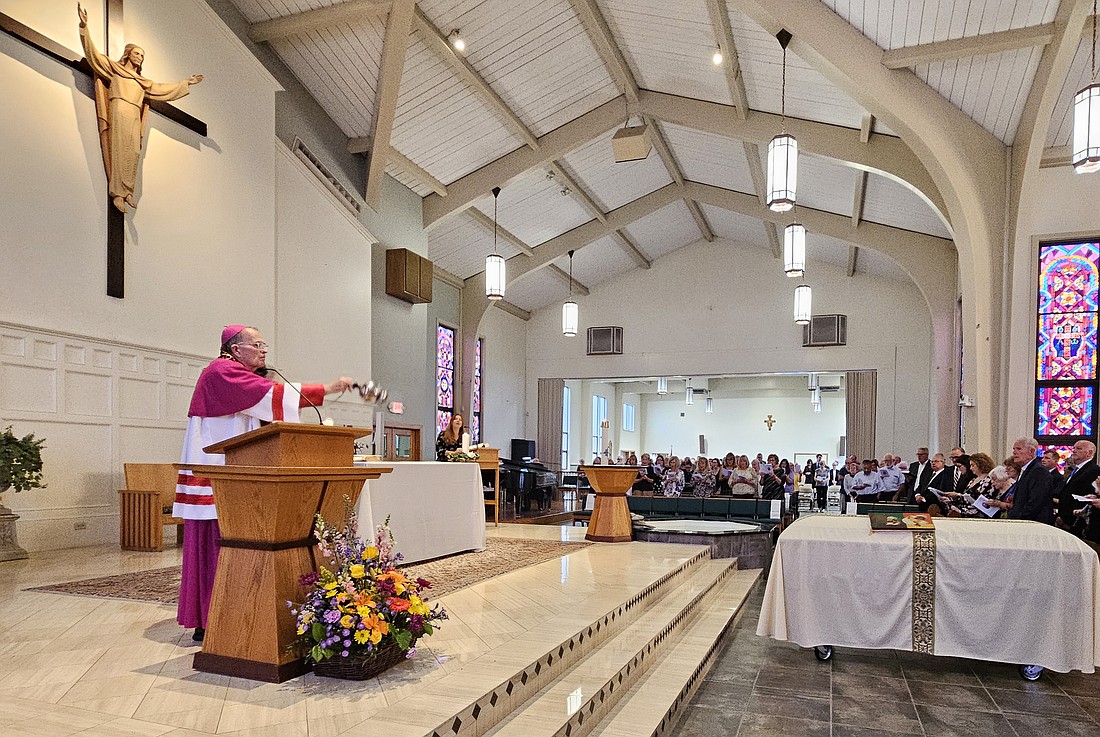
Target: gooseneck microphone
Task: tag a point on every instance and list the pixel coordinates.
(286, 382)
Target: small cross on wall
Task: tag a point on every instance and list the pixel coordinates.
(769, 422)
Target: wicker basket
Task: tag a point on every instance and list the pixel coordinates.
(361, 667)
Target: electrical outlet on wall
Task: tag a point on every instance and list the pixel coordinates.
(80, 525)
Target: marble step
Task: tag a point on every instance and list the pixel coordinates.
(656, 701)
(472, 700)
(574, 704)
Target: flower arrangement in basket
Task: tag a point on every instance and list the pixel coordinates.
(462, 456)
(361, 615)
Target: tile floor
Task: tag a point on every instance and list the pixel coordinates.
(762, 688)
(98, 667)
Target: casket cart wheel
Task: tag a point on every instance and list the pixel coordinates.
(824, 652)
(1031, 672)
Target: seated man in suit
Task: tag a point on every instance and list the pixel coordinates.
(1081, 471)
(1033, 496)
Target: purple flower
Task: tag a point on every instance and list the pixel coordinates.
(347, 632)
(332, 616)
(308, 580)
(343, 653)
(416, 624)
(411, 652)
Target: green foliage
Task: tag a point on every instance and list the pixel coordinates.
(20, 461)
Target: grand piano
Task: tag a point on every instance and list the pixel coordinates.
(525, 482)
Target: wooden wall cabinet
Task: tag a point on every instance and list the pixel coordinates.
(408, 276)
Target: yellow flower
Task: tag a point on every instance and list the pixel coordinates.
(417, 606)
(346, 621)
(370, 552)
(358, 571)
(361, 636)
(376, 636)
(301, 629)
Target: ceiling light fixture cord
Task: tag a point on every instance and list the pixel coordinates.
(496, 197)
(571, 274)
(783, 92)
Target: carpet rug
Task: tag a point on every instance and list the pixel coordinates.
(501, 555)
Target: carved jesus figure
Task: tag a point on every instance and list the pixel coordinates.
(122, 97)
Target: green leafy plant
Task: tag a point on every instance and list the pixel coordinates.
(20, 461)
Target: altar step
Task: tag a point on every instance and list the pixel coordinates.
(636, 683)
(574, 669)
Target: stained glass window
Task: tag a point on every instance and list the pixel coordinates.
(1066, 341)
(444, 376)
(475, 400)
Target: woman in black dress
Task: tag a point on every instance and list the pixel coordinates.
(450, 439)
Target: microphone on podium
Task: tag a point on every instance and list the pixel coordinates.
(263, 372)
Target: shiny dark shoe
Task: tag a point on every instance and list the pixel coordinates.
(199, 634)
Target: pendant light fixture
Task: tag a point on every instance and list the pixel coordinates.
(710, 405)
(794, 249)
(569, 309)
(802, 299)
(689, 396)
(783, 150)
(1086, 117)
(494, 262)
(662, 385)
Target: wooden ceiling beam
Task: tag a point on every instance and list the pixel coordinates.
(434, 39)
(511, 309)
(462, 192)
(486, 222)
(720, 19)
(578, 192)
(394, 45)
(362, 145)
(562, 274)
(595, 25)
(311, 20)
(961, 48)
(631, 249)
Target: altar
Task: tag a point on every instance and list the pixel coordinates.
(435, 509)
(997, 590)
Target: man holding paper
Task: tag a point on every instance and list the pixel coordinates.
(1081, 471)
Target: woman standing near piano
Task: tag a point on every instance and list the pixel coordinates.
(451, 437)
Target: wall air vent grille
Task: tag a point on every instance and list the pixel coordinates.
(825, 330)
(326, 177)
(605, 341)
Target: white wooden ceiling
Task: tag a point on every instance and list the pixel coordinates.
(531, 67)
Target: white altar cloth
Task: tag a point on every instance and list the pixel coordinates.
(1005, 591)
(435, 509)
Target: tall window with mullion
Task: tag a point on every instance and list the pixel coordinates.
(444, 376)
(599, 416)
(475, 400)
(1065, 379)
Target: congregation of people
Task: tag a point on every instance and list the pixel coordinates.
(1026, 485)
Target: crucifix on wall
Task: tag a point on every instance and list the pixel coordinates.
(122, 97)
(769, 422)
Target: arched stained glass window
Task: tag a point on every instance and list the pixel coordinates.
(1065, 379)
(444, 376)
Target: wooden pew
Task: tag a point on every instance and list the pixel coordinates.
(145, 506)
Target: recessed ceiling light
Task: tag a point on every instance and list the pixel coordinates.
(456, 40)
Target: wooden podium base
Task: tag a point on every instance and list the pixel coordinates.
(610, 521)
(251, 669)
(266, 517)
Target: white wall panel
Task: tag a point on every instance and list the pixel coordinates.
(89, 394)
(27, 388)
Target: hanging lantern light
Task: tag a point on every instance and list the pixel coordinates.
(494, 262)
(569, 312)
(689, 396)
(710, 405)
(802, 298)
(662, 385)
(794, 249)
(817, 408)
(782, 150)
(1086, 118)
(815, 396)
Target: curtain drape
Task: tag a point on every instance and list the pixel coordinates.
(861, 399)
(549, 422)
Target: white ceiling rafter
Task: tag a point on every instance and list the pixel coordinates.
(310, 20)
(720, 19)
(362, 145)
(608, 48)
(435, 40)
(394, 45)
(961, 48)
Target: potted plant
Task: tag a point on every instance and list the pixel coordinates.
(361, 614)
(20, 463)
(21, 468)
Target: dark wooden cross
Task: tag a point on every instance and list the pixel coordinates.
(116, 219)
